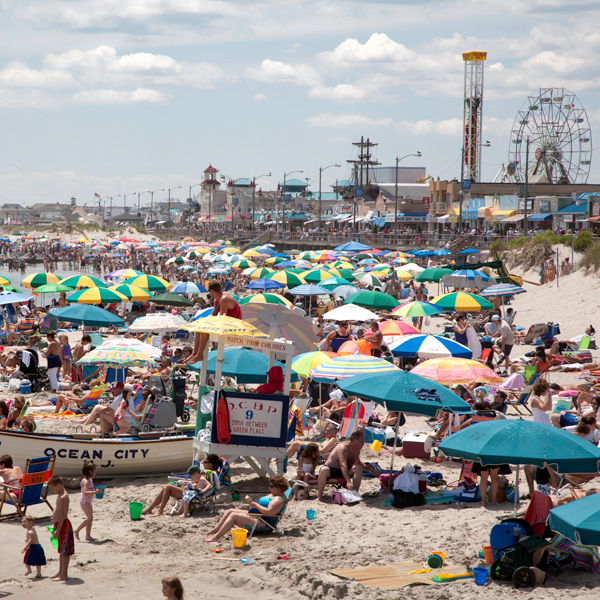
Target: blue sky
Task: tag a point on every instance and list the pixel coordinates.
(122, 96)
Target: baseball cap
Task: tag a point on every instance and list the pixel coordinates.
(495, 318)
(193, 469)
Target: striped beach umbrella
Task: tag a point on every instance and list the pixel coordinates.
(462, 302)
(275, 260)
(223, 325)
(131, 292)
(81, 282)
(346, 366)
(261, 273)
(150, 283)
(305, 362)
(188, 287)
(502, 289)
(264, 284)
(344, 291)
(266, 299)
(4, 281)
(309, 290)
(417, 309)
(117, 357)
(397, 328)
(158, 323)
(243, 264)
(452, 371)
(429, 346)
(355, 347)
(368, 279)
(333, 282)
(97, 296)
(125, 273)
(290, 280)
(50, 288)
(316, 276)
(36, 279)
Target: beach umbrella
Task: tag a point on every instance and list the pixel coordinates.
(52, 288)
(178, 260)
(85, 314)
(171, 299)
(266, 299)
(397, 328)
(131, 292)
(316, 276)
(442, 252)
(264, 284)
(302, 264)
(125, 273)
(250, 253)
(355, 347)
(333, 282)
(36, 279)
(82, 282)
(373, 300)
(246, 365)
(203, 312)
(461, 301)
(434, 274)
(188, 287)
(342, 264)
(309, 290)
(467, 278)
(345, 273)
(404, 275)
(305, 362)
(243, 264)
(218, 270)
(12, 297)
(118, 357)
(368, 279)
(158, 323)
(290, 280)
(150, 283)
(280, 322)
(352, 247)
(578, 521)
(275, 260)
(451, 371)
(148, 349)
(343, 291)
(429, 346)
(261, 273)
(469, 251)
(4, 281)
(97, 296)
(12, 288)
(417, 309)
(399, 391)
(411, 268)
(223, 325)
(350, 312)
(342, 367)
(502, 289)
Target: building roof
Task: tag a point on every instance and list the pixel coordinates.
(294, 183)
(211, 169)
(242, 182)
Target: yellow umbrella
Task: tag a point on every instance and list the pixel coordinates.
(133, 292)
(222, 325)
(261, 273)
(250, 254)
(404, 275)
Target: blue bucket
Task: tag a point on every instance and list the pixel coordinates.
(25, 387)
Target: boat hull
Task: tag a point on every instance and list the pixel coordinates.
(113, 456)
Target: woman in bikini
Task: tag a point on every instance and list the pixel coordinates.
(12, 475)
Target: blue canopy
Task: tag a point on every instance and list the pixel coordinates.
(579, 521)
(540, 217)
(353, 247)
(87, 314)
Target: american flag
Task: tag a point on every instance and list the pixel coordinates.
(96, 195)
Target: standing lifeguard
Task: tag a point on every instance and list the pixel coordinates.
(224, 305)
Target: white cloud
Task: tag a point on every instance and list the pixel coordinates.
(115, 97)
(347, 121)
(275, 71)
(259, 97)
(342, 91)
(452, 127)
(378, 48)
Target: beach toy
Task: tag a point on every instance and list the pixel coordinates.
(239, 536)
(244, 560)
(436, 560)
(442, 577)
(310, 514)
(53, 540)
(100, 492)
(480, 574)
(487, 554)
(376, 446)
(235, 496)
(135, 510)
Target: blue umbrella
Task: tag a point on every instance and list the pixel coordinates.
(423, 253)
(579, 521)
(87, 314)
(352, 247)
(205, 312)
(345, 291)
(429, 346)
(10, 297)
(441, 252)
(309, 290)
(188, 287)
(469, 251)
(264, 284)
(471, 274)
(247, 366)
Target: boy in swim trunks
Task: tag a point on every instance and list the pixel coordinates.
(63, 530)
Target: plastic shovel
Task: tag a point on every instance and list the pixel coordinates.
(244, 560)
(53, 540)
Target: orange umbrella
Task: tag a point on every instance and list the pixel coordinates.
(355, 347)
(397, 328)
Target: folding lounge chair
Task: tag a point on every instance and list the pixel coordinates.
(207, 502)
(96, 339)
(265, 525)
(521, 401)
(34, 488)
(95, 393)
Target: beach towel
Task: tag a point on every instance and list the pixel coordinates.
(295, 423)
(588, 556)
(538, 511)
(66, 414)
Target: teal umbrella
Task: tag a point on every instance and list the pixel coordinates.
(433, 274)
(247, 366)
(373, 300)
(333, 282)
(579, 521)
(87, 314)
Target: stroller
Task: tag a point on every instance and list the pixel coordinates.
(31, 369)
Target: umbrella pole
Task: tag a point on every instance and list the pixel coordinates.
(393, 453)
(517, 491)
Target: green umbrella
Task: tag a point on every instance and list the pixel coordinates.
(10, 288)
(52, 288)
(288, 279)
(86, 314)
(346, 274)
(434, 274)
(78, 282)
(333, 282)
(373, 300)
(171, 299)
(368, 279)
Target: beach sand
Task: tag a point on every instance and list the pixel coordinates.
(132, 557)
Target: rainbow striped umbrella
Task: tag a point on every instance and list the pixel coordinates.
(97, 296)
(502, 289)
(131, 292)
(417, 309)
(125, 273)
(462, 302)
(81, 282)
(304, 363)
(342, 367)
(452, 371)
(266, 299)
(117, 357)
(36, 279)
(150, 283)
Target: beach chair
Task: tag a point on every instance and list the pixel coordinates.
(34, 488)
(534, 332)
(538, 512)
(92, 398)
(207, 503)
(265, 524)
(521, 401)
(588, 556)
(353, 418)
(96, 339)
(49, 323)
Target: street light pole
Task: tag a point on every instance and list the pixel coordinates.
(398, 161)
(111, 199)
(125, 200)
(254, 194)
(321, 169)
(169, 217)
(283, 194)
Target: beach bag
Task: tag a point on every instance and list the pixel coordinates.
(342, 496)
(14, 385)
(407, 481)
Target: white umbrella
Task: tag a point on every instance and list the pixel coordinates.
(158, 323)
(411, 268)
(350, 312)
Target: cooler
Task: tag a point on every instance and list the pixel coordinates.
(417, 445)
(422, 483)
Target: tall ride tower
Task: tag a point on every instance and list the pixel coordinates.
(472, 119)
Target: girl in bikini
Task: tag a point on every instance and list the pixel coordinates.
(88, 491)
(307, 463)
(65, 355)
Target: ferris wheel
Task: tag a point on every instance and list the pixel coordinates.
(556, 126)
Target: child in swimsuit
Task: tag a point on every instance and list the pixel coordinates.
(307, 463)
(88, 491)
(33, 551)
(65, 355)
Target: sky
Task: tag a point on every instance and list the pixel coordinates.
(125, 96)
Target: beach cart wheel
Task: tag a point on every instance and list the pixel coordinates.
(185, 417)
(523, 577)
